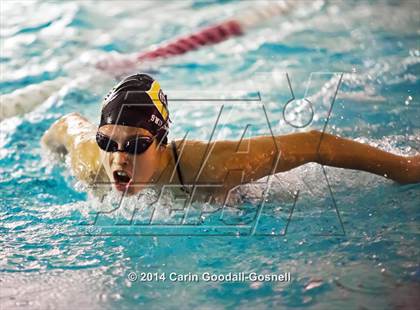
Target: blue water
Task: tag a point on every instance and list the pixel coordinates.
(48, 257)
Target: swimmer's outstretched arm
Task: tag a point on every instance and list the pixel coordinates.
(75, 135)
(330, 150)
(301, 148)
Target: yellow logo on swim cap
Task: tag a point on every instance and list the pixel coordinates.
(159, 100)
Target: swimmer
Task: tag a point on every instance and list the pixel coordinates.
(130, 150)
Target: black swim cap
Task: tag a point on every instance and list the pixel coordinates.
(137, 101)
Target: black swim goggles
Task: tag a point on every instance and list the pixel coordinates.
(133, 146)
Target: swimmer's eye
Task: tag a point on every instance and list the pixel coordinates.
(138, 145)
(133, 146)
(105, 143)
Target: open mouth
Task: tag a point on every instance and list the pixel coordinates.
(122, 178)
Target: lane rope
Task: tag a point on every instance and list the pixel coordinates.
(26, 99)
(234, 26)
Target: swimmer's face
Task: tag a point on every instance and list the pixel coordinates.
(127, 171)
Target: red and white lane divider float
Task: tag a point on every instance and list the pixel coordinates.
(24, 100)
(214, 34)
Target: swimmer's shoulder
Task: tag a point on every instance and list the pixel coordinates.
(204, 165)
(65, 131)
(202, 157)
(74, 135)
(86, 162)
(227, 162)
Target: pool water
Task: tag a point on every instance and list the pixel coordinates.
(349, 239)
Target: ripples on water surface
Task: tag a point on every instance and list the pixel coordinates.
(46, 262)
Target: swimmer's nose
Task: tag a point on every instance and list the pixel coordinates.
(121, 158)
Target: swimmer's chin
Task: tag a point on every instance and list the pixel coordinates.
(127, 190)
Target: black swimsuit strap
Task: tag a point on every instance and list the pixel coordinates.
(178, 167)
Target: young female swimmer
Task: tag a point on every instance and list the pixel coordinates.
(130, 150)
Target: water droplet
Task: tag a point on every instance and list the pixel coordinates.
(408, 100)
